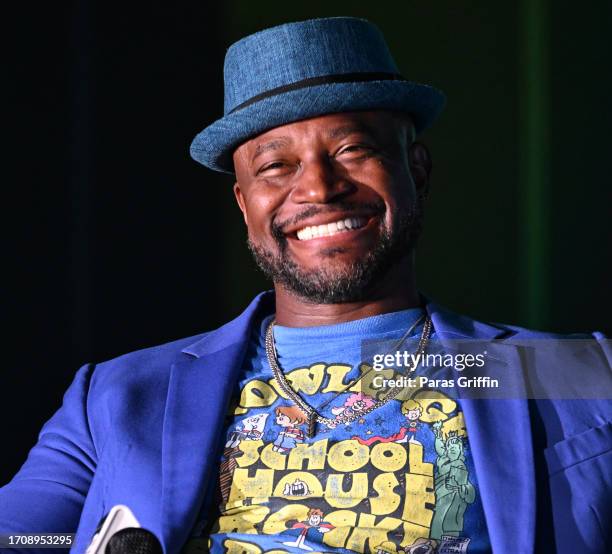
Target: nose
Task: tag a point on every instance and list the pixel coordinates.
(319, 182)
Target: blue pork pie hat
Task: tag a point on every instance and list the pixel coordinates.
(306, 69)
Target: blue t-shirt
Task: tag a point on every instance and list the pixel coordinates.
(397, 479)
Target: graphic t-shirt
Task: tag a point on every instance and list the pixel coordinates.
(395, 479)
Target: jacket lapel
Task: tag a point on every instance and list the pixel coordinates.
(499, 437)
(198, 396)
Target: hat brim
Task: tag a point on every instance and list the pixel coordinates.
(214, 146)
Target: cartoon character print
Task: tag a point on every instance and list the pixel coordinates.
(419, 546)
(315, 523)
(453, 489)
(289, 418)
(297, 488)
(412, 411)
(250, 428)
(355, 403)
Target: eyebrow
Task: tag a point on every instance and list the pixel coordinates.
(345, 130)
(275, 144)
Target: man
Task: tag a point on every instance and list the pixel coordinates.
(320, 128)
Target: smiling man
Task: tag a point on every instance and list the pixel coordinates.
(271, 434)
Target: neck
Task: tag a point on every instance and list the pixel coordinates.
(397, 291)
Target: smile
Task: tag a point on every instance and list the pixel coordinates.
(333, 228)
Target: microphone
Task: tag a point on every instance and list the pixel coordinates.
(133, 540)
(120, 533)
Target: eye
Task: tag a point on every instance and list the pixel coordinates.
(270, 166)
(354, 150)
(277, 168)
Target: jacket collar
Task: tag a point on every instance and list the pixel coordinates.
(449, 325)
(234, 331)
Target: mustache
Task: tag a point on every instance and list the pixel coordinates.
(374, 208)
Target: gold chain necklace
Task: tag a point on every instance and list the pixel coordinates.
(312, 416)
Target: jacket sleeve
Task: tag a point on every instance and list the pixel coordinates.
(48, 492)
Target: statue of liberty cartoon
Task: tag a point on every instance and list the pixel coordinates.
(453, 489)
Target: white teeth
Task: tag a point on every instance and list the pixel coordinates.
(329, 229)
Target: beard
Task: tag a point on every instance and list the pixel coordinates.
(351, 282)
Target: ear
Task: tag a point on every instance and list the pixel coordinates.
(241, 202)
(420, 167)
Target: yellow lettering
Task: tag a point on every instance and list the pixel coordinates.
(336, 373)
(273, 459)
(304, 379)
(413, 532)
(240, 547)
(251, 452)
(337, 497)
(369, 531)
(307, 380)
(387, 501)
(436, 405)
(257, 394)
(343, 521)
(415, 460)
(314, 453)
(419, 491)
(277, 522)
(388, 456)
(257, 488)
(348, 455)
(243, 519)
(366, 383)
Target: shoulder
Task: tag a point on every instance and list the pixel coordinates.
(145, 368)
(515, 331)
(455, 324)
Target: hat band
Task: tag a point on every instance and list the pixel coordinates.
(324, 80)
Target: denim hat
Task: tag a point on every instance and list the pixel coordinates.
(306, 69)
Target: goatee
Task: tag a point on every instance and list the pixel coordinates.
(350, 283)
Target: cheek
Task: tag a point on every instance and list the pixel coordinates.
(261, 208)
(391, 182)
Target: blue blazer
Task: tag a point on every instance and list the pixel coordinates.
(144, 430)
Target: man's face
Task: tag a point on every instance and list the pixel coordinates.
(330, 202)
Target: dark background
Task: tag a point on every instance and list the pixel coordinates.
(117, 240)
